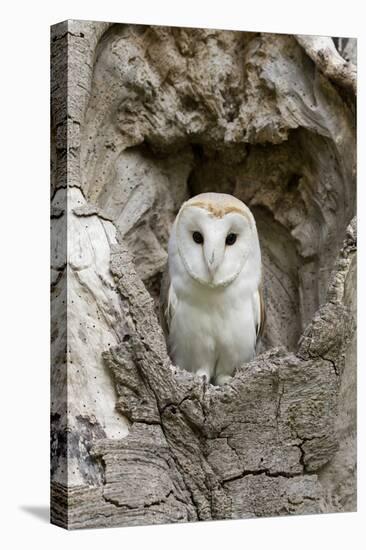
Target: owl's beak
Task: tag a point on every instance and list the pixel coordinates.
(211, 263)
(212, 258)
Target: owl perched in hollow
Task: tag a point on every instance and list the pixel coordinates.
(211, 299)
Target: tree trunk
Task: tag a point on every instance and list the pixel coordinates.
(143, 118)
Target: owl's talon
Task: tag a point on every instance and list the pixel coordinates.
(222, 379)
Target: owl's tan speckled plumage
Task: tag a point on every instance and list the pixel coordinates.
(219, 204)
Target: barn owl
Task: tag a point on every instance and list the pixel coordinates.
(211, 301)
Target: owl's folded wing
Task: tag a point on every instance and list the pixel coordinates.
(260, 312)
(167, 301)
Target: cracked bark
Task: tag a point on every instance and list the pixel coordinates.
(143, 117)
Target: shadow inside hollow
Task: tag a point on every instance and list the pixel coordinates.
(40, 512)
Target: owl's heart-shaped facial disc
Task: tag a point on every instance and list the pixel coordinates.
(213, 245)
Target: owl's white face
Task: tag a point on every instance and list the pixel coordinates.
(214, 248)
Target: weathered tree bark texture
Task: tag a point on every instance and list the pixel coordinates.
(143, 118)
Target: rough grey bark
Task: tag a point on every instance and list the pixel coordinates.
(142, 118)
(324, 54)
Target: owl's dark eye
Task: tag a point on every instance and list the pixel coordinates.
(197, 237)
(230, 239)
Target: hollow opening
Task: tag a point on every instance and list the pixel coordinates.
(299, 234)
